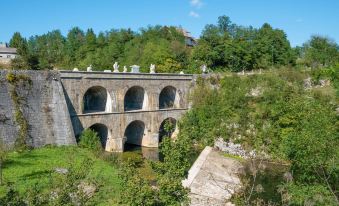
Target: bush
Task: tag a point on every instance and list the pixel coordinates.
(90, 139)
(283, 120)
(132, 159)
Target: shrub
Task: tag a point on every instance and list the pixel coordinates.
(90, 139)
(132, 158)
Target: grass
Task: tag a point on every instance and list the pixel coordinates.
(326, 91)
(236, 157)
(26, 169)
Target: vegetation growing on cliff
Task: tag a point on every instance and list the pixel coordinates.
(19, 101)
(273, 113)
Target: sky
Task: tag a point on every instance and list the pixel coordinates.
(298, 18)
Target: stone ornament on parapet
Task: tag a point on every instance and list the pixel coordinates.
(115, 67)
(135, 69)
(152, 69)
(89, 69)
(125, 69)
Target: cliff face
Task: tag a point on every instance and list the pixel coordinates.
(39, 97)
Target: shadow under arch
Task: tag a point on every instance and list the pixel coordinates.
(169, 98)
(102, 132)
(135, 99)
(167, 128)
(97, 99)
(135, 132)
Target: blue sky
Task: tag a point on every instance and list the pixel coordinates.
(298, 18)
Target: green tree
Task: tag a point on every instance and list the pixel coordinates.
(321, 52)
(227, 46)
(48, 49)
(90, 139)
(272, 47)
(20, 43)
(75, 39)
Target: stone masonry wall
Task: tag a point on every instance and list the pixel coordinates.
(114, 116)
(43, 106)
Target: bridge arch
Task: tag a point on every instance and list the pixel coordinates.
(169, 98)
(135, 132)
(102, 132)
(96, 99)
(135, 98)
(168, 128)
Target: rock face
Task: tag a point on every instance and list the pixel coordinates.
(231, 148)
(213, 179)
(308, 83)
(42, 104)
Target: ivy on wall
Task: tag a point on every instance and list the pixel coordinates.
(18, 81)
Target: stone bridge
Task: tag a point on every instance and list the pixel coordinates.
(125, 107)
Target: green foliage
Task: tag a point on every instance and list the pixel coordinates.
(320, 52)
(222, 46)
(274, 114)
(18, 42)
(299, 194)
(132, 159)
(19, 81)
(261, 181)
(16, 79)
(170, 190)
(160, 45)
(136, 189)
(164, 187)
(31, 178)
(227, 46)
(89, 139)
(11, 198)
(3, 156)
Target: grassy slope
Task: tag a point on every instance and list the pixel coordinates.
(26, 169)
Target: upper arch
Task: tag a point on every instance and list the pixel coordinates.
(96, 99)
(135, 98)
(169, 98)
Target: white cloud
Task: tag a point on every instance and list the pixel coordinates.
(194, 14)
(196, 3)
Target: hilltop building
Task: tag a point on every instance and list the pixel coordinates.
(190, 41)
(7, 53)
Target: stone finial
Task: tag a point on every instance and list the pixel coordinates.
(152, 69)
(89, 69)
(135, 69)
(75, 69)
(115, 67)
(125, 69)
(204, 69)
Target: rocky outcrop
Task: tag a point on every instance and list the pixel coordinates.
(213, 179)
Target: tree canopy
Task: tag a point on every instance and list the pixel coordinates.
(224, 46)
